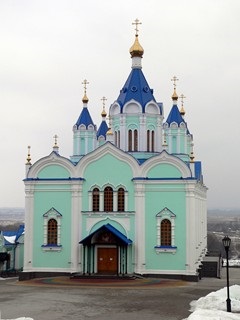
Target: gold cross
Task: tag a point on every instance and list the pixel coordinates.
(174, 79)
(55, 140)
(182, 96)
(85, 82)
(136, 22)
(29, 155)
(104, 99)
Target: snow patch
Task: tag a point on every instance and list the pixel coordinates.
(213, 306)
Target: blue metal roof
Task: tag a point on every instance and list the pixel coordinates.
(137, 88)
(102, 129)
(110, 228)
(15, 233)
(175, 116)
(84, 118)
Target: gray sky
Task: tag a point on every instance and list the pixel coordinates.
(48, 47)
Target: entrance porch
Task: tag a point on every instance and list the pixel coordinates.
(106, 251)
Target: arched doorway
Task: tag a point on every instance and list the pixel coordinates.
(105, 251)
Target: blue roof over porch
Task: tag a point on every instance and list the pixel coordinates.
(107, 227)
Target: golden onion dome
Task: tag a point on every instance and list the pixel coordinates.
(182, 111)
(109, 132)
(136, 49)
(85, 98)
(175, 96)
(104, 113)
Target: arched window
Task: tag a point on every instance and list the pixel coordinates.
(130, 140)
(174, 144)
(95, 199)
(52, 232)
(153, 141)
(135, 140)
(118, 139)
(166, 235)
(148, 140)
(108, 199)
(121, 200)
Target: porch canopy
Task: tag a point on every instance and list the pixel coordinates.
(101, 235)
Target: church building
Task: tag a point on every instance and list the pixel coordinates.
(130, 199)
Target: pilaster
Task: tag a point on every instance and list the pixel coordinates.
(140, 227)
(28, 236)
(76, 231)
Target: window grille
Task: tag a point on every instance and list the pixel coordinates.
(52, 232)
(121, 201)
(108, 199)
(166, 236)
(95, 199)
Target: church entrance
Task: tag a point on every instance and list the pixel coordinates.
(106, 251)
(107, 260)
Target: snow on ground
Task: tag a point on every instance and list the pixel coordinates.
(213, 306)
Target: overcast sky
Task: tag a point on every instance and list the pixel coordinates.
(48, 47)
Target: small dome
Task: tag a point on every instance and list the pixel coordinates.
(104, 113)
(175, 96)
(85, 98)
(136, 49)
(109, 132)
(182, 111)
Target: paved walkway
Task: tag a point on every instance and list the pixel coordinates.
(104, 283)
(81, 299)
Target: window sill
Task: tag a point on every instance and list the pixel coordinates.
(51, 247)
(167, 249)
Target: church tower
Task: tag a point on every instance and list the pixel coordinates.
(103, 128)
(136, 117)
(84, 131)
(178, 137)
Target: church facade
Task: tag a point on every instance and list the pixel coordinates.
(131, 198)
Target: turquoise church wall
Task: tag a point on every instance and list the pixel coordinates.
(121, 175)
(157, 198)
(44, 201)
(97, 174)
(164, 171)
(54, 171)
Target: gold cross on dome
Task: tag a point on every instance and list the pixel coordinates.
(104, 99)
(136, 22)
(55, 140)
(182, 96)
(85, 82)
(174, 79)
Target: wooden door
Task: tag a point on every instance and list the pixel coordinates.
(107, 260)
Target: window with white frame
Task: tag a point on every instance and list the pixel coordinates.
(133, 140)
(165, 231)
(117, 138)
(150, 140)
(95, 199)
(52, 230)
(121, 199)
(108, 199)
